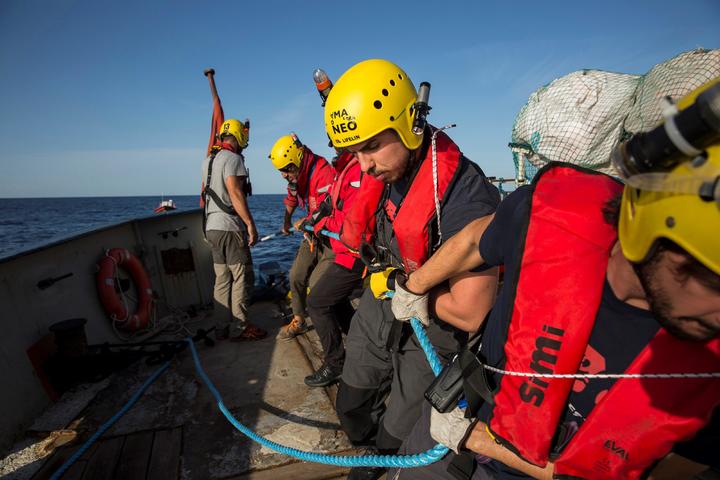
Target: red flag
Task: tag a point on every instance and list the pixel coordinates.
(218, 117)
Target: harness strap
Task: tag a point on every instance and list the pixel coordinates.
(475, 383)
(212, 194)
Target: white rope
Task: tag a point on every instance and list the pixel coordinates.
(114, 320)
(602, 375)
(116, 276)
(435, 178)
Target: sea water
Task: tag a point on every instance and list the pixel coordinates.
(27, 223)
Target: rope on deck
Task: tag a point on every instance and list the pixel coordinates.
(387, 461)
(105, 426)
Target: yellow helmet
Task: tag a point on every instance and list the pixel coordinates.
(237, 129)
(369, 98)
(682, 204)
(288, 149)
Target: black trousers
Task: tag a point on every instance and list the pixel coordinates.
(381, 392)
(329, 307)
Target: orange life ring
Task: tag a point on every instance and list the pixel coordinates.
(112, 301)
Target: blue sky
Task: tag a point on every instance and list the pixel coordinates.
(108, 98)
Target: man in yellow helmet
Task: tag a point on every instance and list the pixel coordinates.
(419, 189)
(600, 279)
(230, 229)
(309, 178)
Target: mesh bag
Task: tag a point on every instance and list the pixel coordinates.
(579, 118)
(675, 78)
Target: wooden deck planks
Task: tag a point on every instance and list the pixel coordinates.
(135, 456)
(102, 463)
(165, 457)
(58, 458)
(76, 471)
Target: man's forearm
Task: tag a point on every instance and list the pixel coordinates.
(480, 442)
(287, 220)
(467, 301)
(458, 255)
(241, 207)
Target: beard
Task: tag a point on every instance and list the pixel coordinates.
(661, 305)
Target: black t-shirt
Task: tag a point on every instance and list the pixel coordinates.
(470, 197)
(620, 332)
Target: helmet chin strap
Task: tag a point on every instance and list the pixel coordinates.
(435, 178)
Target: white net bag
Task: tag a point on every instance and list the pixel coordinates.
(579, 118)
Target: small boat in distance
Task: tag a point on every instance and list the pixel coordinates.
(165, 206)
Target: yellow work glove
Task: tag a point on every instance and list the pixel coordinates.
(382, 282)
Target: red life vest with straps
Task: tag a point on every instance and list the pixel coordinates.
(557, 294)
(411, 225)
(343, 194)
(359, 224)
(313, 183)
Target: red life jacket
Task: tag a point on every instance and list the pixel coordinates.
(411, 225)
(343, 194)
(558, 290)
(313, 183)
(359, 224)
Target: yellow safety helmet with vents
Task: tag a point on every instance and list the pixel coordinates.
(237, 129)
(682, 204)
(288, 149)
(369, 98)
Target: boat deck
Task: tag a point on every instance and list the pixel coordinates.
(176, 430)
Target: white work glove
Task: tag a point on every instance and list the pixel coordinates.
(406, 304)
(451, 428)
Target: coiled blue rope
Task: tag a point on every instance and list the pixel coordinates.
(105, 426)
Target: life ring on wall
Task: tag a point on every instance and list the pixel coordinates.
(113, 300)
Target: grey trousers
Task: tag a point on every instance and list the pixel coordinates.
(234, 280)
(306, 270)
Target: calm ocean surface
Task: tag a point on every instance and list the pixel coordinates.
(32, 222)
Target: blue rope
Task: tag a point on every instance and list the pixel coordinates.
(105, 426)
(330, 234)
(432, 358)
(327, 233)
(387, 461)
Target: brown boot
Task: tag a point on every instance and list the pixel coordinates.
(293, 329)
(250, 333)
